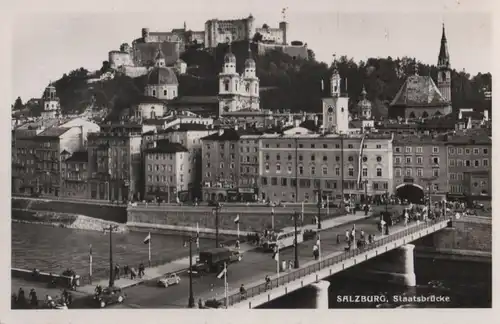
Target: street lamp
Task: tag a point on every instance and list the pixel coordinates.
(216, 211)
(365, 183)
(295, 243)
(429, 183)
(191, 296)
(111, 228)
(386, 199)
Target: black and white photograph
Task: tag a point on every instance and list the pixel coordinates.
(262, 155)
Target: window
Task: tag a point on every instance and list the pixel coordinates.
(324, 170)
(467, 163)
(289, 145)
(435, 149)
(397, 160)
(267, 157)
(408, 160)
(284, 182)
(267, 167)
(337, 145)
(475, 151)
(460, 151)
(350, 146)
(350, 158)
(397, 149)
(451, 162)
(278, 145)
(350, 171)
(365, 159)
(379, 159)
(460, 176)
(379, 172)
(325, 146)
(289, 157)
(420, 172)
(274, 181)
(379, 146)
(337, 171)
(164, 92)
(460, 163)
(264, 181)
(365, 172)
(419, 149)
(313, 146)
(436, 187)
(420, 160)
(397, 172)
(485, 162)
(278, 157)
(226, 85)
(289, 167)
(485, 151)
(408, 172)
(313, 157)
(467, 151)
(301, 170)
(453, 176)
(313, 170)
(221, 165)
(278, 167)
(451, 150)
(231, 166)
(435, 160)
(408, 149)
(325, 158)
(300, 158)
(435, 172)
(150, 167)
(301, 145)
(476, 163)
(337, 158)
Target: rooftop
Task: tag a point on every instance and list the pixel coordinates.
(53, 132)
(166, 147)
(81, 156)
(420, 91)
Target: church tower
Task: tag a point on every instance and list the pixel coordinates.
(229, 81)
(250, 83)
(444, 70)
(50, 102)
(160, 58)
(335, 108)
(335, 81)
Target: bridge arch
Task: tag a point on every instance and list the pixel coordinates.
(414, 193)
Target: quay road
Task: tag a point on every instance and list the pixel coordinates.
(254, 267)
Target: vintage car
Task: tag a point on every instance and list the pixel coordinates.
(108, 296)
(169, 280)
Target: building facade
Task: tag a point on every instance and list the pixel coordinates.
(167, 173)
(420, 165)
(74, 175)
(335, 108)
(469, 165)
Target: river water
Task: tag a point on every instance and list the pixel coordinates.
(468, 284)
(55, 249)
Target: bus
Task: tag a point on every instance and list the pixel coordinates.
(285, 238)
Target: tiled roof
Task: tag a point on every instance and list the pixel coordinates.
(412, 139)
(81, 156)
(167, 147)
(157, 122)
(53, 132)
(419, 91)
(227, 135)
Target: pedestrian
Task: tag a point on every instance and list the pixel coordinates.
(290, 264)
(347, 236)
(362, 235)
(21, 298)
(315, 252)
(200, 303)
(125, 270)
(338, 239)
(133, 273)
(268, 282)
(33, 298)
(141, 270)
(117, 272)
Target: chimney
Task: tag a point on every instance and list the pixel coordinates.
(297, 122)
(221, 131)
(486, 115)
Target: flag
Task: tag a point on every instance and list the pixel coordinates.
(237, 219)
(147, 239)
(223, 272)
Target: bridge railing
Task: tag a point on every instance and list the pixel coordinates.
(302, 272)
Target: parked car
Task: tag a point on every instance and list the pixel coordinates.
(109, 296)
(169, 280)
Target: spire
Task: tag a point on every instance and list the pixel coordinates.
(444, 57)
(335, 67)
(363, 92)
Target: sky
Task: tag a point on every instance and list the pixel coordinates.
(47, 42)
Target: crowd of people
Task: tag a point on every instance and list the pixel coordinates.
(19, 300)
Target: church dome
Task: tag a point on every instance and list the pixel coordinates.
(162, 76)
(230, 58)
(249, 63)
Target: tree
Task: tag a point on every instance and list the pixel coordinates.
(18, 104)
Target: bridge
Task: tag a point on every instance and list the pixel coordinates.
(402, 270)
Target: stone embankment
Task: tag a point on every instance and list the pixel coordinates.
(65, 220)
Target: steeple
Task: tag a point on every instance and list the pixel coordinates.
(444, 56)
(363, 93)
(335, 79)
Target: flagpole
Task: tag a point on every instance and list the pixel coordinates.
(278, 261)
(90, 263)
(149, 249)
(238, 230)
(272, 217)
(328, 205)
(319, 246)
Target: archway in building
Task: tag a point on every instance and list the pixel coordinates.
(425, 114)
(411, 192)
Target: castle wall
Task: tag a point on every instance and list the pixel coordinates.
(133, 71)
(292, 50)
(145, 53)
(272, 34)
(117, 59)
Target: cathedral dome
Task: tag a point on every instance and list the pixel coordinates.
(162, 76)
(230, 58)
(249, 63)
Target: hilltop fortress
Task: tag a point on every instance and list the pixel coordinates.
(135, 60)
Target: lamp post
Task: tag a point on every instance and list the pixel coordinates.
(111, 228)
(191, 295)
(365, 183)
(386, 199)
(429, 183)
(320, 200)
(296, 245)
(216, 212)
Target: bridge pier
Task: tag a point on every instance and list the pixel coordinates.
(321, 289)
(403, 268)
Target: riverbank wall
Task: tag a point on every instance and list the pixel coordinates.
(105, 212)
(65, 220)
(469, 239)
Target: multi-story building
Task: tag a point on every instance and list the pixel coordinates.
(420, 162)
(469, 165)
(114, 167)
(248, 174)
(167, 172)
(298, 167)
(74, 175)
(220, 165)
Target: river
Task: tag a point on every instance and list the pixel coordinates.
(55, 249)
(468, 284)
